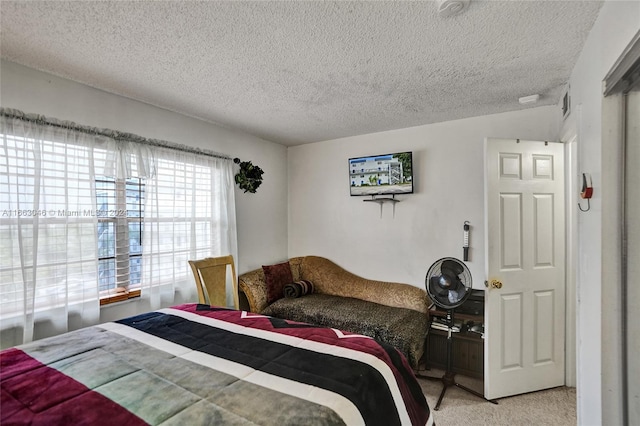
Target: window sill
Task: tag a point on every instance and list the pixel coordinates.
(119, 297)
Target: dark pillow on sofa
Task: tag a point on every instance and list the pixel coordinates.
(276, 277)
(298, 288)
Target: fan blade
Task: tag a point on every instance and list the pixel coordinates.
(436, 288)
(452, 267)
(457, 285)
(453, 297)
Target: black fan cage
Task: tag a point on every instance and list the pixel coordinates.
(454, 296)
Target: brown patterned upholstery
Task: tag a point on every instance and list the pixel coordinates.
(405, 329)
(331, 280)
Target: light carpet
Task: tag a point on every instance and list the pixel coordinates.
(555, 406)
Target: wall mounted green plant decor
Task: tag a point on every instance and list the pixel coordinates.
(249, 177)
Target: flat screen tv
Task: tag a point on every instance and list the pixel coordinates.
(381, 174)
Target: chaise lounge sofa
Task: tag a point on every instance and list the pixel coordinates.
(393, 313)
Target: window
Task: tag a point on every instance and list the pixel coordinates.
(183, 219)
(47, 224)
(120, 212)
(90, 216)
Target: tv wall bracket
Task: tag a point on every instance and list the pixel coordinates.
(381, 200)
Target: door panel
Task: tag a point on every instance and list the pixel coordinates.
(524, 317)
(543, 230)
(511, 331)
(511, 232)
(543, 322)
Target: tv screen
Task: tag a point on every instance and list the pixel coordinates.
(381, 174)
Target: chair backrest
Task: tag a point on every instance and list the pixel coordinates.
(211, 280)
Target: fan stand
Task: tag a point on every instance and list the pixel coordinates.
(448, 379)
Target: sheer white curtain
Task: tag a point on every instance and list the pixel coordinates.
(48, 248)
(49, 243)
(189, 214)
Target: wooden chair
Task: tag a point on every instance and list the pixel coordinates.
(211, 280)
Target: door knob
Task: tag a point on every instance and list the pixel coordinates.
(496, 284)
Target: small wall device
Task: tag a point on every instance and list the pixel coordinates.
(586, 192)
(587, 186)
(465, 244)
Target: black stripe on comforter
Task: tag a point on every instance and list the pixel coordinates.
(352, 379)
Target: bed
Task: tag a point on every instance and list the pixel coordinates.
(195, 364)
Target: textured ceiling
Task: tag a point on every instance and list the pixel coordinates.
(297, 72)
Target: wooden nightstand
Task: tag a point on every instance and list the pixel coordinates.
(468, 346)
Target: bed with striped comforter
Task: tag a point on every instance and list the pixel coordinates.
(195, 364)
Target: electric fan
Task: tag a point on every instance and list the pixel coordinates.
(448, 284)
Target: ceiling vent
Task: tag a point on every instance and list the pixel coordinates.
(452, 7)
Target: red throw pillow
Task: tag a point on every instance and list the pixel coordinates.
(277, 276)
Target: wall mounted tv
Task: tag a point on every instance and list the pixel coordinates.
(386, 174)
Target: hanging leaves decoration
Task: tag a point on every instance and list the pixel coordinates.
(249, 177)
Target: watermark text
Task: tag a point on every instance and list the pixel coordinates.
(64, 213)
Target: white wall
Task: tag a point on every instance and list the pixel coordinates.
(597, 332)
(448, 168)
(261, 217)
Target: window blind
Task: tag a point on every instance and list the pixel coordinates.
(85, 213)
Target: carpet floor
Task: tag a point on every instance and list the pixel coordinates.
(555, 406)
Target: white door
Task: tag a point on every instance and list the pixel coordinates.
(524, 308)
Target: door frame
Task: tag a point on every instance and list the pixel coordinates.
(571, 251)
